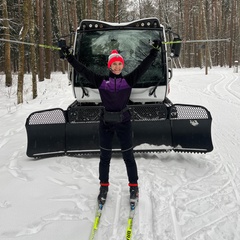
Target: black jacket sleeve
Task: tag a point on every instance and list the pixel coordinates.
(134, 76)
(85, 72)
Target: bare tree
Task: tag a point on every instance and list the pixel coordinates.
(89, 8)
(106, 8)
(74, 14)
(33, 60)
(116, 10)
(233, 16)
(7, 49)
(48, 27)
(39, 5)
(22, 34)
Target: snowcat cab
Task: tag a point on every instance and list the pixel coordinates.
(158, 124)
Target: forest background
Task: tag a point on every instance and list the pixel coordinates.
(45, 21)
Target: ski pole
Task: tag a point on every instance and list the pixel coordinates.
(32, 44)
(198, 41)
(170, 42)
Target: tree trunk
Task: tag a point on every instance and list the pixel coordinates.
(74, 15)
(33, 61)
(7, 46)
(231, 35)
(48, 51)
(116, 11)
(22, 34)
(89, 9)
(41, 41)
(60, 27)
(106, 9)
(204, 21)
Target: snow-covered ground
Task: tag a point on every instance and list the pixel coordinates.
(182, 196)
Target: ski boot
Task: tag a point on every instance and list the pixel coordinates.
(134, 194)
(102, 195)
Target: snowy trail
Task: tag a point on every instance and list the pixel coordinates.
(224, 92)
(182, 196)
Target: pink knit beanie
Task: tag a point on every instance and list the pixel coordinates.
(113, 57)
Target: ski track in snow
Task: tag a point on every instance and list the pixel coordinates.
(182, 196)
(225, 83)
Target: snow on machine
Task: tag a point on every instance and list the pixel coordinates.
(158, 124)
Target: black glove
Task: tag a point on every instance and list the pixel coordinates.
(66, 52)
(156, 44)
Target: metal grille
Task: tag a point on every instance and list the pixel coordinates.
(53, 116)
(84, 114)
(189, 112)
(149, 112)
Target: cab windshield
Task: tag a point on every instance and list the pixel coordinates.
(94, 47)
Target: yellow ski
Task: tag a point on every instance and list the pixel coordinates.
(129, 229)
(130, 222)
(96, 222)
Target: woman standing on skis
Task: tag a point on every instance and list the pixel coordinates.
(115, 91)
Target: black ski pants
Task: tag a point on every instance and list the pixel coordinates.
(123, 131)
